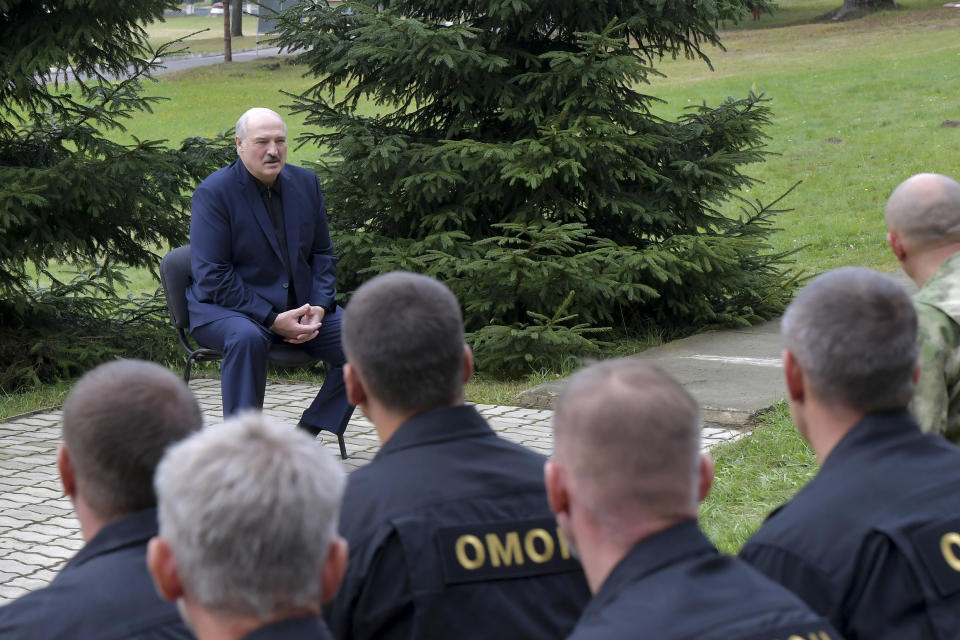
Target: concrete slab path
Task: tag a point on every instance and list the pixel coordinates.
(733, 373)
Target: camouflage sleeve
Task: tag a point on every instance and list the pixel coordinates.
(931, 398)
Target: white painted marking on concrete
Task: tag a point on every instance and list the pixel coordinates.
(756, 362)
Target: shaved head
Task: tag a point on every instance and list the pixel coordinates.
(854, 333)
(925, 211)
(628, 435)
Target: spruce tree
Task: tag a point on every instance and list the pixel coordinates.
(72, 72)
(512, 154)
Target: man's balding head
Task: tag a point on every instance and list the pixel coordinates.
(628, 436)
(925, 211)
(117, 422)
(257, 115)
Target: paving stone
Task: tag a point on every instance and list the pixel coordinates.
(9, 522)
(8, 565)
(29, 537)
(34, 559)
(9, 593)
(28, 583)
(55, 553)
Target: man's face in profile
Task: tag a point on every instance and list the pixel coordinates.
(264, 151)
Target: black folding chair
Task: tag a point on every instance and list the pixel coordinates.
(175, 278)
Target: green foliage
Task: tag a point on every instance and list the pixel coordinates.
(514, 158)
(545, 343)
(73, 71)
(66, 328)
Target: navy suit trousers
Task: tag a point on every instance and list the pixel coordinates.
(245, 345)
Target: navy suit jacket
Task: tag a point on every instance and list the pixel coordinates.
(235, 255)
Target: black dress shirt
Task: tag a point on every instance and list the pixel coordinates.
(273, 203)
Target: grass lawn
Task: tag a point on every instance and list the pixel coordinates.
(754, 475)
(205, 33)
(858, 107)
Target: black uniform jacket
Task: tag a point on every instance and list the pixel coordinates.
(451, 537)
(104, 592)
(873, 541)
(675, 585)
(303, 628)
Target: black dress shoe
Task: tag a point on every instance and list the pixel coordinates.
(313, 431)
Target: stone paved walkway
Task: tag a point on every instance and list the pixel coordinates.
(38, 532)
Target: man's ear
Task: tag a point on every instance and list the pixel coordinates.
(467, 363)
(356, 392)
(706, 477)
(916, 373)
(896, 245)
(68, 478)
(163, 569)
(793, 376)
(333, 568)
(557, 495)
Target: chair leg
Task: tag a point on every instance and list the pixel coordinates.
(343, 447)
(186, 369)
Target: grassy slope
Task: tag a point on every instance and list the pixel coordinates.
(857, 108)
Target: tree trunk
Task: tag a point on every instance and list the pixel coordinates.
(857, 8)
(236, 23)
(227, 51)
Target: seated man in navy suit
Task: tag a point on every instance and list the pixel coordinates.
(264, 271)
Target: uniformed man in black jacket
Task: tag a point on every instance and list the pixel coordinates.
(248, 541)
(449, 529)
(873, 541)
(624, 482)
(117, 422)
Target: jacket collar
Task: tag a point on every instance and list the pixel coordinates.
(437, 425)
(662, 549)
(872, 430)
(300, 627)
(130, 530)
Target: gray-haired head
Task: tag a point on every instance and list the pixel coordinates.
(117, 422)
(403, 333)
(249, 510)
(854, 332)
(241, 128)
(629, 436)
(925, 210)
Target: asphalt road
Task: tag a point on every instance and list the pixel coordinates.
(179, 63)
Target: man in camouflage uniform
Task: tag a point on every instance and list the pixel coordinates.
(923, 220)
